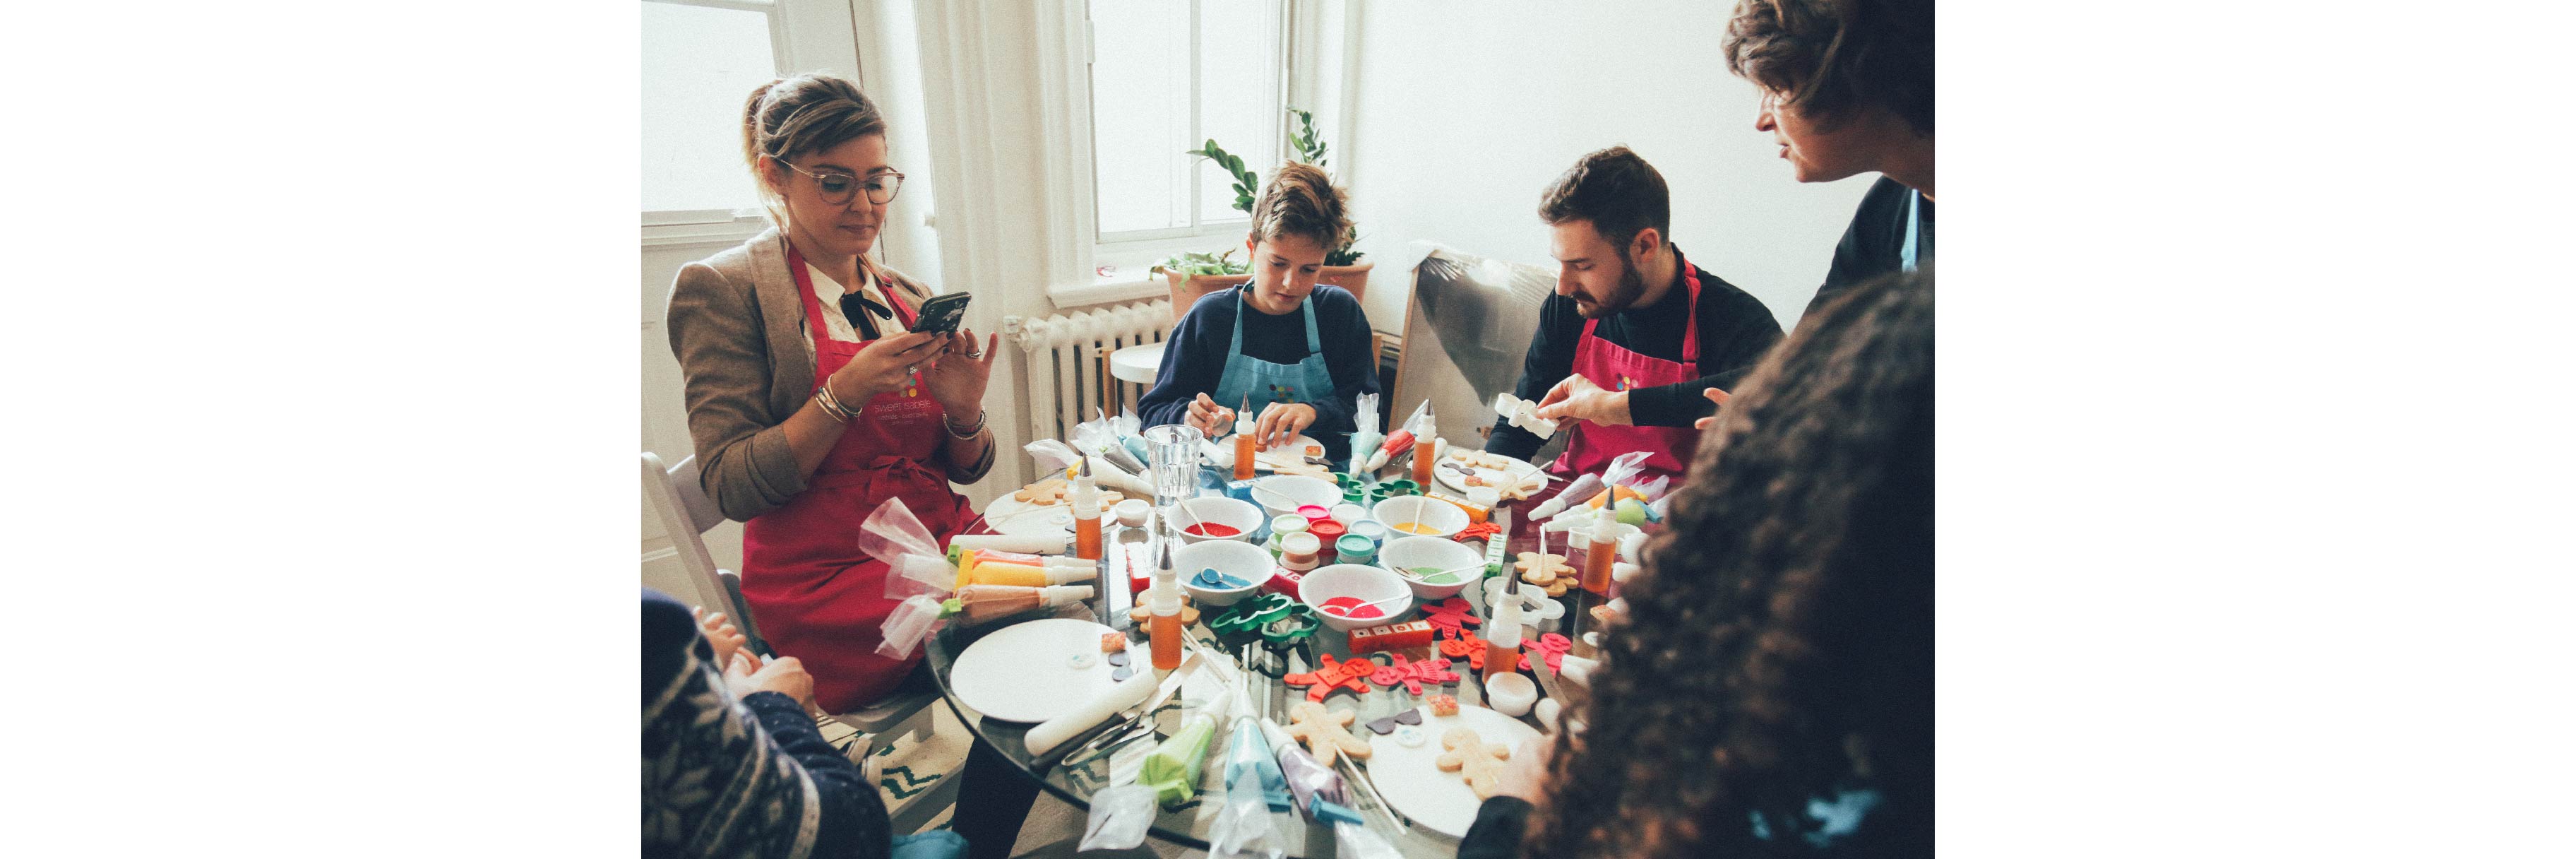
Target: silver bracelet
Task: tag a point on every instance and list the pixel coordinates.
(832, 405)
(970, 432)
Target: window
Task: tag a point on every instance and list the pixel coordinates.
(700, 61)
(1167, 76)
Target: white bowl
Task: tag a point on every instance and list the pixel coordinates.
(1443, 518)
(1240, 515)
(1230, 557)
(1355, 580)
(1438, 553)
(1283, 493)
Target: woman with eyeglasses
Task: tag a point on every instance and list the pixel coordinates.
(811, 403)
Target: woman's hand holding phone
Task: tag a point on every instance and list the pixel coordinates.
(883, 365)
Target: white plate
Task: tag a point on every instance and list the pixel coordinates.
(1027, 672)
(1220, 452)
(1512, 470)
(1010, 515)
(1410, 778)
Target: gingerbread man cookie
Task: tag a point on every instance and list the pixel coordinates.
(1480, 762)
(1325, 732)
(1547, 571)
(1052, 491)
(1189, 613)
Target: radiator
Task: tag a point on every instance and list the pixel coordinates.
(1068, 361)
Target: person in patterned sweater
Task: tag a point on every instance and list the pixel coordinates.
(733, 764)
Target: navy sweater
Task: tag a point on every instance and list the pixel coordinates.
(1194, 358)
(1874, 244)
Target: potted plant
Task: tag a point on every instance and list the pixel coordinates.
(1197, 274)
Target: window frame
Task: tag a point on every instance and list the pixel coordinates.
(816, 35)
(1145, 246)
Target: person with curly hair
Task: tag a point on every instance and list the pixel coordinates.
(1769, 691)
(1847, 89)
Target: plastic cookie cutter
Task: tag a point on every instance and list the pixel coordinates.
(1292, 630)
(1536, 606)
(1522, 413)
(1249, 616)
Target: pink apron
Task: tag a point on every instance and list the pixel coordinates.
(1618, 369)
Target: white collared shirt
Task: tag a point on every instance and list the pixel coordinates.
(828, 292)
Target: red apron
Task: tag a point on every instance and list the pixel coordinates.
(816, 596)
(1618, 369)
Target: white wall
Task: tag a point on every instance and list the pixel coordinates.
(1466, 110)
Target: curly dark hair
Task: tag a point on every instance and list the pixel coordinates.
(1828, 56)
(1778, 642)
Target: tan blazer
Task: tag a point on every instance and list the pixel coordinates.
(738, 328)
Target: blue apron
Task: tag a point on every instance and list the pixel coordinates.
(1306, 381)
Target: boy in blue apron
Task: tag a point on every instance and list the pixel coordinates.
(1296, 351)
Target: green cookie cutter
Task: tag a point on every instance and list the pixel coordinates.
(1298, 626)
(1251, 615)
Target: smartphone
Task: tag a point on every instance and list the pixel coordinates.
(941, 313)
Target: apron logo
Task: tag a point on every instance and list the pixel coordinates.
(1283, 393)
(912, 384)
(1625, 382)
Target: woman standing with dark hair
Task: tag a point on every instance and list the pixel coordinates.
(1847, 89)
(811, 403)
(1769, 691)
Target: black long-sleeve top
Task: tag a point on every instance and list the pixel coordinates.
(749, 777)
(1874, 244)
(1734, 332)
(1194, 358)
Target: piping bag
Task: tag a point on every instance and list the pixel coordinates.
(1401, 439)
(1098, 437)
(1254, 788)
(1364, 437)
(1582, 487)
(918, 577)
(1353, 841)
(1318, 789)
(1173, 769)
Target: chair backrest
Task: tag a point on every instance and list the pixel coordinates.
(684, 510)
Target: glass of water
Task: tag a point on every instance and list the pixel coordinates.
(1172, 453)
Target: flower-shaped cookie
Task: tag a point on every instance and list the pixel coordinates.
(1547, 571)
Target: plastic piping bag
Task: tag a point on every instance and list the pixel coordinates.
(1119, 818)
(918, 575)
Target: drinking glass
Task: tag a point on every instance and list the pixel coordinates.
(1172, 453)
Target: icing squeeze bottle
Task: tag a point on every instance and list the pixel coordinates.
(1164, 601)
(1425, 452)
(985, 602)
(1086, 516)
(1243, 440)
(1503, 632)
(1598, 556)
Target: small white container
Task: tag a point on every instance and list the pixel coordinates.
(1511, 694)
(1284, 493)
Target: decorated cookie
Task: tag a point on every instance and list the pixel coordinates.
(1410, 737)
(1443, 705)
(1451, 616)
(1113, 642)
(1479, 762)
(1352, 675)
(1547, 571)
(1411, 675)
(1325, 732)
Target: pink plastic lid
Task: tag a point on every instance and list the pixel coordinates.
(1313, 512)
